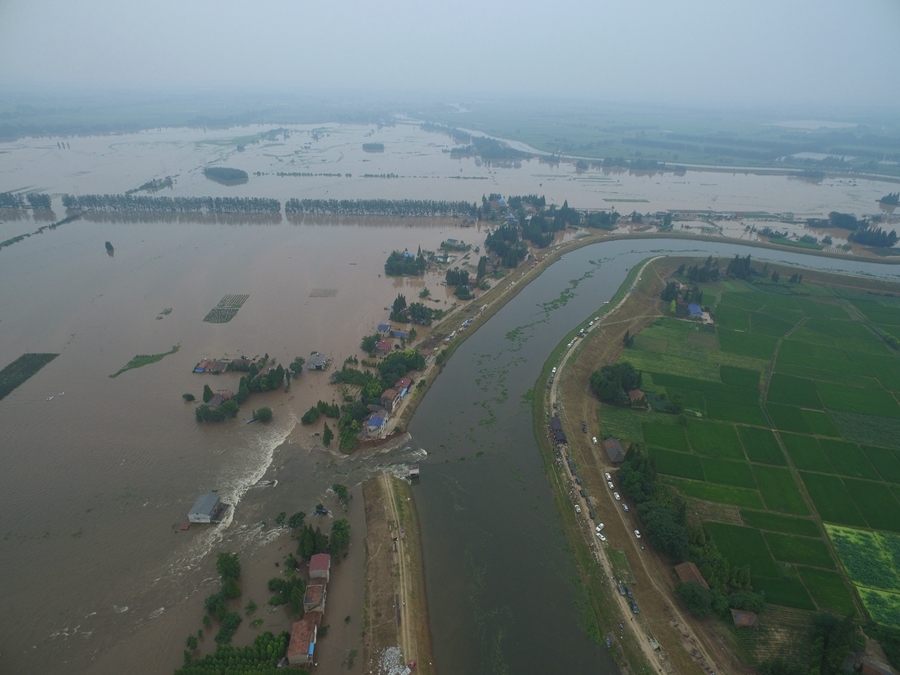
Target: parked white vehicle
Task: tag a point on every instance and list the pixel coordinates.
(599, 527)
(616, 495)
(602, 537)
(637, 533)
(609, 482)
(608, 477)
(594, 439)
(625, 508)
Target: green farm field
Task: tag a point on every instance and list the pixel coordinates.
(790, 416)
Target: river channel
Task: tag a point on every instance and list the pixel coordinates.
(501, 590)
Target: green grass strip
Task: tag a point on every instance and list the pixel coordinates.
(144, 360)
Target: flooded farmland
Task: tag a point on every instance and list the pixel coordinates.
(98, 473)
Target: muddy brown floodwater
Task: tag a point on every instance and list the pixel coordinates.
(96, 480)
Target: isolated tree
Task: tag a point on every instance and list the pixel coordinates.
(342, 493)
(263, 414)
(327, 435)
(340, 535)
(295, 522)
(228, 566)
(207, 393)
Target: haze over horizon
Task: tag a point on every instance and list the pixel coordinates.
(786, 53)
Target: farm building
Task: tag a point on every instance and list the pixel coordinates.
(317, 361)
(303, 642)
(389, 398)
(402, 385)
(219, 399)
(383, 347)
(314, 598)
(637, 398)
(320, 567)
(687, 572)
(399, 334)
(207, 509)
(744, 619)
(614, 450)
(695, 310)
(555, 423)
(384, 328)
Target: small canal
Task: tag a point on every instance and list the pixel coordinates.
(502, 587)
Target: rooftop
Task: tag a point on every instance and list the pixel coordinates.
(320, 562)
(315, 593)
(206, 504)
(688, 572)
(303, 634)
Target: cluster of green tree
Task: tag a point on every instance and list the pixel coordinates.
(227, 411)
(873, 236)
(288, 591)
(153, 185)
(889, 639)
(612, 382)
(37, 201)
(833, 640)
(342, 493)
(225, 175)
(846, 221)
(457, 277)
(565, 216)
(256, 381)
(368, 344)
(663, 517)
(263, 414)
(330, 410)
(808, 239)
(173, 205)
(518, 202)
(379, 207)
(708, 271)
(416, 313)
(505, 243)
(891, 199)
(229, 568)
(773, 234)
(482, 267)
(260, 658)
(602, 220)
(401, 264)
(740, 268)
(538, 230)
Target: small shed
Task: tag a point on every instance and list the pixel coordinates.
(744, 619)
(320, 567)
(317, 361)
(302, 646)
(207, 509)
(614, 450)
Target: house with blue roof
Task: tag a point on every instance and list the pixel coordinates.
(695, 310)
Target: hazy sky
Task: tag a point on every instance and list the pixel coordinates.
(707, 51)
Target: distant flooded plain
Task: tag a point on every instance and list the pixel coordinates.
(97, 479)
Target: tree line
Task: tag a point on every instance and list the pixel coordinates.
(36, 200)
(147, 204)
(379, 207)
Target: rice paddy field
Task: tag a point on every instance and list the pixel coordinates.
(790, 432)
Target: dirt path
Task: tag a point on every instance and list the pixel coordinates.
(683, 649)
(396, 607)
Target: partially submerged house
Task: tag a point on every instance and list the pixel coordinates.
(614, 450)
(317, 361)
(314, 598)
(207, 509)
(402, 385)
(375, 424)
(389, 398)
(302, 646)
(320, 567)
(383, 347)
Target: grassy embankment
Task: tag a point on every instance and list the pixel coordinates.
(21, 369)
(144, 360)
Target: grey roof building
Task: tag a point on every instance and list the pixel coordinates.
(317, 361)
(207, 509)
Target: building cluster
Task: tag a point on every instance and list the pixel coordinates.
(302, 647)
(381, 411)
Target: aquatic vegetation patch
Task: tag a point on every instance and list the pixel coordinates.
(227, 309)
(21, 369)
(144, 360)
(862, 555)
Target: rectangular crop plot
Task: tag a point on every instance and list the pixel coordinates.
(792, 390)
(831, 499)
(20, 370)
(848, 460)
(747, 344)
(820, 423)
(735, 412)
(876, 502)
(806, 453)
(861, 401)
(678, 464)
(891, 545)
(787, 418)
(885, 461)
(882, 431)
(761, 446)
(669, 436)
(722, 494)
(714, 439)
(779, 490)
(743, 301)
(739, 377)
(801, 550)
(861, 554)
(744, 546)
(787, 592)
(766, 324)
(883, 607)
(828, 590)
(775, 522)
(732, 317)
(826, 309)
(227, 309)
(693, 400)
(727, 472)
